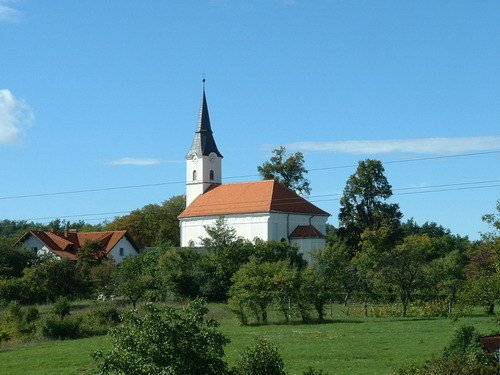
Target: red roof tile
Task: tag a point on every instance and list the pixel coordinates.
(306, 231)
(249, 197)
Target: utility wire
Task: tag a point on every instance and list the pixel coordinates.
(290, 201)
(110, 188)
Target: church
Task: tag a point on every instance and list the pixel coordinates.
(258, 211)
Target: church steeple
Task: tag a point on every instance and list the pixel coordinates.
(203, 141)
(203, 161)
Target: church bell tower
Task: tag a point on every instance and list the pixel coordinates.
(203, 161)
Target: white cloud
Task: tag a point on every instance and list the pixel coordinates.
(140, 161)
(7, 12)
(15, 117)
(417, 146)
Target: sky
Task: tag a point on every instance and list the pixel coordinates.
(99, 100)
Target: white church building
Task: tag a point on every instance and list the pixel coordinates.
(258, 211)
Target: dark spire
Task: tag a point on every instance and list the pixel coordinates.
(203, 142)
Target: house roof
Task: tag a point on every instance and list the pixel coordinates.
(203, 141)
(306, 231)
(249, 197)
(67, 244)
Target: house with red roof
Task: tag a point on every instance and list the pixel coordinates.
(65, 245)
(258, 211)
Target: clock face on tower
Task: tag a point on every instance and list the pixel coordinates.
(211, 157)
(195, 158)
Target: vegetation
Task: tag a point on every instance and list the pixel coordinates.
(287, 170)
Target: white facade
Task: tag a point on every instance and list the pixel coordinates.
(264, 226)
(201, 172)
(34, 244)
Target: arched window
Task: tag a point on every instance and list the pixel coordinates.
(194, 175)
(212, 175)
(257, 240)
(191, 243)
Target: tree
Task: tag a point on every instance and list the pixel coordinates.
(165, 341)
(153, 224)
(363, 204)
(287, 170)
(131, 280)
(403, 267)
(261, 359)
(14, 261)
(220, 235)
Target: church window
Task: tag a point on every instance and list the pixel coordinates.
(191, 244)
(257, 240)
(212, 175)
(194, 175)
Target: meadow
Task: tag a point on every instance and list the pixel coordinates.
(346, 344)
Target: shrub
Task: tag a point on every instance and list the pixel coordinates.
(100, 319)
(164, 341)
(20, 320)
(261, 359)
(61, 329)
(61, 307)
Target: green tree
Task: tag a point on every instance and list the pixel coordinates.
(363, 204)
(220, 235)
(261, 359)
(14, 261)
(403, 267)
(166, 341)
(287, 170)
(153, 224)
(131, 280)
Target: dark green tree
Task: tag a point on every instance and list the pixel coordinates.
(288, 170)
(166, 341)
(131, 279)
(364, 206)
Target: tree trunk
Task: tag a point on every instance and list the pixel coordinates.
(365, 305)
(491, 309)
(346, 298)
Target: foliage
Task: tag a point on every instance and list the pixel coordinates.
(61, 307)
(164, 341)
(256, 285)
(100, 319)
(14, 261)
(313, 371)
(287, 170)
(153, 224)
(261, 359)
(19, 320)
(363, 204)
(220, 235)
(131, 280)
(61, 329)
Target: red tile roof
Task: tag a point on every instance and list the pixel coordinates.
(67, 244)
(249, 197)
(306, 231)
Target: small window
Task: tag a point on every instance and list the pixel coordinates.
(191, 243)
(194, 175)
(257, 240)
(212, 175)
(121, 251)
(34, 248)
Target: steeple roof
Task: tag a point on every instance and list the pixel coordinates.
(203, 141)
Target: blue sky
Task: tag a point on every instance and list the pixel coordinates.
(105, 94)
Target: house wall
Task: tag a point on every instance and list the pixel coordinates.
(32, 242)
(128, 250)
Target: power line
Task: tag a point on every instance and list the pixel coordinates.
(289, 201)
(110, 188)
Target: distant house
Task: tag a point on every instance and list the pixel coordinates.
(116, 244)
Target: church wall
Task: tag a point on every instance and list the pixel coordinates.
(249, 226)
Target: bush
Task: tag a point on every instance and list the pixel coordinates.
(20, 320)
(61, 329)
(100, 319)
(261, 359)
(313, 371)
(61, 307)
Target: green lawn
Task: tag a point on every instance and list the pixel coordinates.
(348, 345)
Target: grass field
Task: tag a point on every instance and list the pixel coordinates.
(346, 345)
